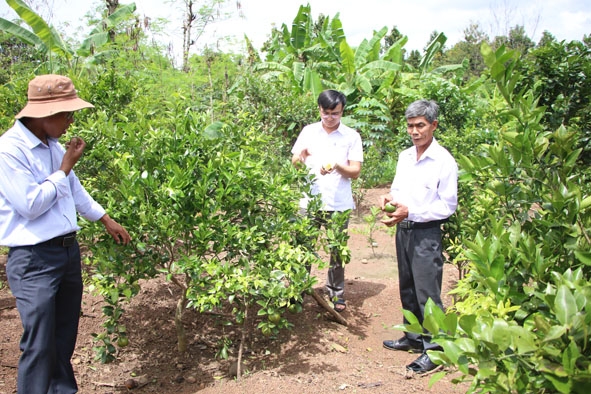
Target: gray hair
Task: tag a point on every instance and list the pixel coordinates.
(427, 108)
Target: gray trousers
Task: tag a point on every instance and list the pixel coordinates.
(420, 272)
(335, 281)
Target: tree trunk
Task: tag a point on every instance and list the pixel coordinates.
(111, 8)
(187, 26)
(178, 321)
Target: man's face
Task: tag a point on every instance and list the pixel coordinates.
(420, 131)
(331, 117)
(56, 125)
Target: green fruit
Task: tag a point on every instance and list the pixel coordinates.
(122, 341)
(389, 208)
(274, 317)
(295, 308)
(266, 331)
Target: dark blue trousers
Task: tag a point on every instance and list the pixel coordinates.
(420, 271)
(47, 284)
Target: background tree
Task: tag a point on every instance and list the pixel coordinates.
(469, 49)
(560, 74)
(414, 58)
(391, 38)
(517, 40)
(197, 16)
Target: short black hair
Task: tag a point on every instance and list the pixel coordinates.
(329, 99)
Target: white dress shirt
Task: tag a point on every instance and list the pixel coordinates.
(340, 146)
(428, 187)
(37, 201)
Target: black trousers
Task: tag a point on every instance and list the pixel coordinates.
(47, 283)
(420, 272)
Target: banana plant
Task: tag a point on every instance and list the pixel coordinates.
(47, 39)
(305, 54)
(364, 69)
(43, 37)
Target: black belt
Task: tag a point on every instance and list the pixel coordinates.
(64, 241)
(407, 224)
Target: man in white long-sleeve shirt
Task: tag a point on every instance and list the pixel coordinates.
(40, 197)
(424, 192)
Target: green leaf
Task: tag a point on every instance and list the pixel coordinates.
(213, 130)
(564, 305)
(524, 340)
(436, 377)
(563, 385)
(434, 317)
(312, 82)
(347, 58)
(48, 35)
(434, 47)
(22, 34)
(583, 256)
(300, 28)
(413, 323)
(501, 334)
(569, 358)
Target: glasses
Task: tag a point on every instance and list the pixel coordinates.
(332, 115)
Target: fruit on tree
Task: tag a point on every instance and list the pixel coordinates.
(274, 317)
(295, 308)
(122, 341)
(266, 331)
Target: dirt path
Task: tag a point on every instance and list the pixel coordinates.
(317, 356)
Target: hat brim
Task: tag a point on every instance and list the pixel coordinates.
(43, 110)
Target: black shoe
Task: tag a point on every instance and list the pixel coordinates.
(422, 364)
(404, 344)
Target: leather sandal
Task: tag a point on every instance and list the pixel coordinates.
(340, 306)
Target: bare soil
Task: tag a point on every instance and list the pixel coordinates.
(318, 355)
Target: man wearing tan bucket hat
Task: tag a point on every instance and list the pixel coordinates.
(40, 197)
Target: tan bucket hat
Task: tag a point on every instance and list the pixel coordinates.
(50, 94)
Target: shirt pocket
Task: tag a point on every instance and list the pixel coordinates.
(426, 191)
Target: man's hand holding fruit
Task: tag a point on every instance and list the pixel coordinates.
(395, 212)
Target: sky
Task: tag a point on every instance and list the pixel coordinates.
(564, 19)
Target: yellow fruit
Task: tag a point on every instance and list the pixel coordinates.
(328, 167)
(122, 341)
(389, 208)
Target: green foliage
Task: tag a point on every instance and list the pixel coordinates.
(206, 206)
(16, 57)
(197, 168)
(280, 112)
(61, 57)
(560, 74)
(12, 99)
(522, 322)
